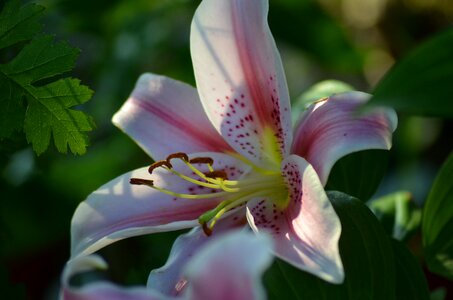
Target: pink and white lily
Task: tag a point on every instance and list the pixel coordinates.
(228, 148)
(234, 282)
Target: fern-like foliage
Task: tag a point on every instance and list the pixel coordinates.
(41, 111)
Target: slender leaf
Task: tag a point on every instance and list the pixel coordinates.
(410, 279)
(437, 223)
(422, 82)
(367, 257)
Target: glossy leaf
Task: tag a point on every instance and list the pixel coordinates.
(398, 214)
(421, 83)
(437, 223)
(410, 279)
(367, 257)
(359, 174)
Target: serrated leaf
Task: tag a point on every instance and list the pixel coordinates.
(359, 174)
(421, 83)
(19, 23)
(398, 214)
(410, 279)
(367, 257)
(41, 59)
(49, 111)
(437, 222)
(48, 108)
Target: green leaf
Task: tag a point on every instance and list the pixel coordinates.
(12, 110)
(410, 279)
(421, 82)
(41, 110)
(48, 112)
(367, 257)
(318, 91)
(19, 23)
(359, 174)
(398, 213)
(437, 223)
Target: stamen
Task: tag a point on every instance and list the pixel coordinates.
(184, 157)
(159, 164)
(140, 181)
(206, 229)
(202, 160)
(217, 174)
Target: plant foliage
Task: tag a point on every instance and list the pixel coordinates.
(40, 109)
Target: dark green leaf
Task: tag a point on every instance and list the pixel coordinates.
(398, 213)
(359, 174)
(19, 23)
(421, 83)
(47, 110)
(367, 257)
(318, 91)
(12, 108)
(437, 223)
(410, 279)
(41, 59)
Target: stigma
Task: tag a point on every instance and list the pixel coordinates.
(234, 193)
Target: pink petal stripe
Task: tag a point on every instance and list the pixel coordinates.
(307, 232)
(229, 268)
(333, 128)
(240, 78)
(118, 209)
(165, 116)
(100, 290)
(169, 279)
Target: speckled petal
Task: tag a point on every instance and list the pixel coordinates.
(240, 78)
(333, 128)
(307, 231)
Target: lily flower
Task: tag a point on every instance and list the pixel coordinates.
(228, 148)
(235, 281)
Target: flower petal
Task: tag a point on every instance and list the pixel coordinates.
(332, 129)
(119, 209)
(169, 279)
(306, 233)
(100, 290)
(229, 268)
(240, 78)
(165, 116)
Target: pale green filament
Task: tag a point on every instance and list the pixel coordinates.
(269, 184)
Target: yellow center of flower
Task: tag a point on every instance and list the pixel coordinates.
(255, 184)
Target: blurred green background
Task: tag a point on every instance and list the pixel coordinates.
(356, 41)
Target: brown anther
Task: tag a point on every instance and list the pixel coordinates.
(202, 160)
(206, 229)
(180, 155)
(140, 181)
(217, 174)
(159, 164)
